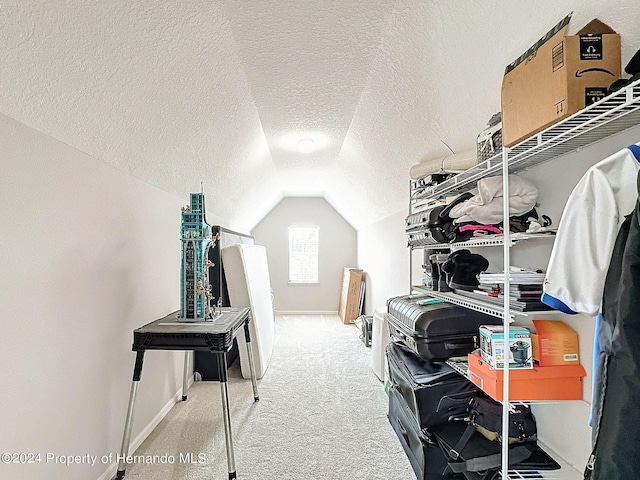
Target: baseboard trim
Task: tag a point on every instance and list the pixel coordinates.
(306, 312)
(111, 471)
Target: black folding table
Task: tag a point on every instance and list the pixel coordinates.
(215, 336)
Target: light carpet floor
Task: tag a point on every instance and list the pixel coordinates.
(322, 414)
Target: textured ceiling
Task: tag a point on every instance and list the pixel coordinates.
(182, 92)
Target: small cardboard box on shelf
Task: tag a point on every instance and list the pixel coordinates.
(554, 343)
(492, 346)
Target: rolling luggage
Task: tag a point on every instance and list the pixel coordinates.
(434, 392)
(426, 457)
(436, 330)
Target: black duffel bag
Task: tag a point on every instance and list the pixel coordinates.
(469, 451)
(485, 415)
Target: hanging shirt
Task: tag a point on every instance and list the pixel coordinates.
(616, 431)
(586, 235)
(587, 231)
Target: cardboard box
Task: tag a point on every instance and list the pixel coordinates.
(350, 297)
(557, 77)
(554, 343)
(493, 351)
(540, 383)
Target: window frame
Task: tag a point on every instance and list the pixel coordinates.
(290, 253)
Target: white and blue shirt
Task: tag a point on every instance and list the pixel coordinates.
(587, 231)
(586, 235)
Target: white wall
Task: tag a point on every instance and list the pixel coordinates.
(88, 254)
(383, 253)
(337, 244)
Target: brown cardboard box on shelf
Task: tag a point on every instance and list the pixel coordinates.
(350, 297)
(554, 343)
(557, 77)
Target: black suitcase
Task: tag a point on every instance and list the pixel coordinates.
(433, 391)
(435, 331)
(426, 457)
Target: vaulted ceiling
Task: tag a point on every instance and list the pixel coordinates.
(178, 92)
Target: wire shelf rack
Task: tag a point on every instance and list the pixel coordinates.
(613, 114)
(487, 241)
(477, 305)
(566, 472)
(494, 310)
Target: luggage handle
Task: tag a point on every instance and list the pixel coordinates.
(402, 430)
(399, 335)
(479, 464)
(457, 345)
(516, 455)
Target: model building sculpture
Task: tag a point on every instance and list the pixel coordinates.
(195, 295)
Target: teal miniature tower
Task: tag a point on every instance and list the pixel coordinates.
(194, 278)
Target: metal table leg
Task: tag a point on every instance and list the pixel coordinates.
(185, 376)
(224, 391)
(252, 367)
(126, 437)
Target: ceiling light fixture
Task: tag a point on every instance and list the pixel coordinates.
(306, 145)
(303, 141)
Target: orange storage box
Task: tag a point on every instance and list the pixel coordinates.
(542, 383)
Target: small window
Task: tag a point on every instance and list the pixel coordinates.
(303, 254)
